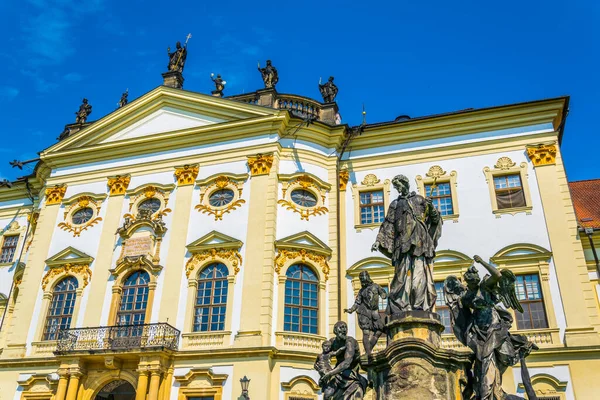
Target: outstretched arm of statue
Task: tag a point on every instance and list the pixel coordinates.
(382, 292)
(357, 302)
(495, 274)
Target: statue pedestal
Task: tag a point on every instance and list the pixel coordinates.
(173, 79)
(414, 366)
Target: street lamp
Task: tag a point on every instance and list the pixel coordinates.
(245, 382)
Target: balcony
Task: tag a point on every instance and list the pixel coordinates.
(119, 338)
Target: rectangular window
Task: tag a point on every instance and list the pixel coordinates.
(441, 308)
(371, 207)
(529, 294)
(9, 246)
(441, 197)
(509, 191)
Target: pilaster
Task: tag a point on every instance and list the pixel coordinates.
(571, 270)
(30, 285)
(256, 316)
(177, 251)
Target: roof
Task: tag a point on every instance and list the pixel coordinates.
(586, 199)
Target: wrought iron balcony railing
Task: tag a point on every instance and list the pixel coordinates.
(118, 338)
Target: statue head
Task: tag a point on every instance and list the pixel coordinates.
(268, 63)
(401, 184)
(331, 79)
(178, 45)
(85, 101)
(365, 279)
(472, 276)
(340, 330)
(326, 346)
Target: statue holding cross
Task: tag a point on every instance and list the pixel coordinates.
(177, 58)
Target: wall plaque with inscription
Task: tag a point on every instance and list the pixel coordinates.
(138, 246)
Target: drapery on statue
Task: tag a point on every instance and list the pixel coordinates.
(84, 111)
(366, 306)
(219, 84)
(343, 382)
(480, 324)
(177, 58)
(269, 75)
(328, 90)
(409, 236)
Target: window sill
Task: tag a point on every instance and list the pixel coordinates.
(512, 211)
(546, 337)
(205, 340)
(44, 348)
(299, 341)
(374, 226)
(450, 217)
(8, 264)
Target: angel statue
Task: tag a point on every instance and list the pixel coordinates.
(482, 325)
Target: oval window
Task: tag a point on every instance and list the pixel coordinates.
(221, 197)
(304, 198)
(151, 204)
(82, 215)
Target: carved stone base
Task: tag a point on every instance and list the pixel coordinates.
(414, 366)
(173, 79)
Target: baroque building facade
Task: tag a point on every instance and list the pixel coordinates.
(186, 241)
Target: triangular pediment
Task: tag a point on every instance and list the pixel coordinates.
(70, 255)
(304, 240)
(163, 110)
(214, 240)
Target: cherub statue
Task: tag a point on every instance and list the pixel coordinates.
(366, 306)
(219, 84)
(84, 111)
(323, 366)
(269, 75)
(482, 325)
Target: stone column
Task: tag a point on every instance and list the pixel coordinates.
(154, 385)
(61, 390)
(73, 386)
(142, 386)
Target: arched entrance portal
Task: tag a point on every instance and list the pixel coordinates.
(117, 390)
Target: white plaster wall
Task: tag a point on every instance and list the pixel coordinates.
(560, 372)
(286, 374)
(292, 143)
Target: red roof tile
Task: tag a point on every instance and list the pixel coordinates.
(586, 199)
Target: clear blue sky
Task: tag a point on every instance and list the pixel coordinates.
(396, 57)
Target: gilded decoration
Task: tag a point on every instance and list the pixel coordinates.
(118, 184)
(504, 163)
(54, 195)
(232, 256)
(80, 203)
(186, 175)
(32, 218)
(146, 192)
(435, 172)
(543, 154)
(370, 180)
(217, 183)
(306, 182)
(83, 271)
(301, 255)
(260, 164)
(344, 176)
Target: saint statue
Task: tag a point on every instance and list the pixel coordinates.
(343, 382)
(177, 58)
(84, 110)
(269, 75)
(482, 325)
(409, 236)
(328, 90)
(366, 305)
(219, 85)
(123, 102)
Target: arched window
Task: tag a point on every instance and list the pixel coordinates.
(211, 299)
(134, 299)
(61, 308)
(301, 300)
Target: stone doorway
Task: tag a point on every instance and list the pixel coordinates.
(117, 390)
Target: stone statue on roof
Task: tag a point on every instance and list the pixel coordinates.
(123, 101)
(269, 75)
(84, 111)
(328, 90)
(219, 85)
(177, 58)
